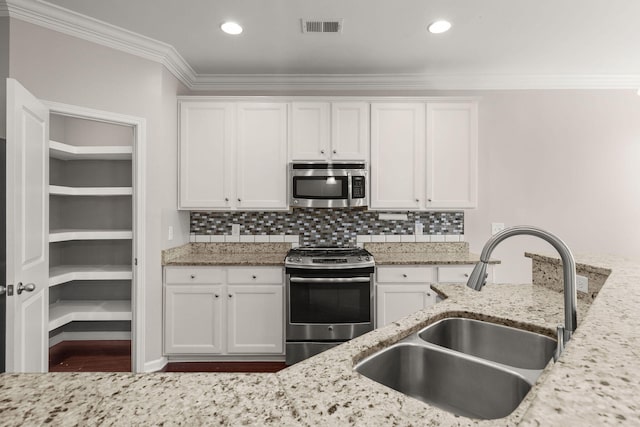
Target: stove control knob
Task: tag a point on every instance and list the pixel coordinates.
(367, 258)
(359, 258)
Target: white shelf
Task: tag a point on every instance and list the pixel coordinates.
(62, 151)
(60, 190)
(63, 312)
(72, 234)
(67, 273)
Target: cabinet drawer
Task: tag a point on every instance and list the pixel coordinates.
(458, 274)
(255, 275)
(405, 274)
(193, 275)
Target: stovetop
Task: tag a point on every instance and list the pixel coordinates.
(329, 257)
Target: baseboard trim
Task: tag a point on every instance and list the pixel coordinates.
(155, 365)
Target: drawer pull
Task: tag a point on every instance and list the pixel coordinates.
(404, 275)
(254, 277)
(217, 296)
(466, 274)
(193, 276)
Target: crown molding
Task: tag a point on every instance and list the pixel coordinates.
(65, 21)
(59, 19)
(236, 82)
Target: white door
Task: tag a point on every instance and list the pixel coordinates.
(350, 131)
(452, 155)
(27, 231)
(310, 131)
(193, 319)
(255, 319)
(206, 155)
(261, 173)
(397, 153)
(398, 300)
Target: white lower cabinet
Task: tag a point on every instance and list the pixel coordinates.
(223, 311)
(397, 300)
(402, 290)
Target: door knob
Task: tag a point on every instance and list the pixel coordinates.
(29, 287)
(3, 289)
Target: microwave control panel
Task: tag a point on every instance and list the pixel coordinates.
(357, 187)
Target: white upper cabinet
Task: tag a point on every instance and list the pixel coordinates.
(233, 155)
(424, 155)
(397, 153)
(329, 131)
(452, 155)
(261, 173)
(350, 131)
(207, 142)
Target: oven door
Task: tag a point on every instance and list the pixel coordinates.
(329, 306)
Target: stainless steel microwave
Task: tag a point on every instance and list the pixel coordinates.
(328, 184)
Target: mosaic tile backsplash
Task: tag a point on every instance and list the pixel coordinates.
(335, 227)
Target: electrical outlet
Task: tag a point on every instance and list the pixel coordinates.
(496, 227)
(235, 229)
(582, 284)
(170, 233)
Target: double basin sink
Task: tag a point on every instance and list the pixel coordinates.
(471, 368)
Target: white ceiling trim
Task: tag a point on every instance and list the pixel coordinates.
(68, 22)
(411, 82)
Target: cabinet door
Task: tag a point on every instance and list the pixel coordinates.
(193, 319)
(350, 131)
(206, 154)
(452, 155)
(397, 153)
(396, 301)
(262, 156)
(310, 131)
(255, 319)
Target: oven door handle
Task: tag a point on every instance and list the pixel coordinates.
(329, 279)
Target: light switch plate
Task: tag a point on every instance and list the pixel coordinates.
(496, 227)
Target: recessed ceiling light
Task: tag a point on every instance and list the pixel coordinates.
(231, 28)
(439, 27)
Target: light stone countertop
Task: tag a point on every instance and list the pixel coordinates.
(595, 382)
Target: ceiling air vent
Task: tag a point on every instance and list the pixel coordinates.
(321, 26)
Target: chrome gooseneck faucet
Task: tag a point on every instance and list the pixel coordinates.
(478, 276)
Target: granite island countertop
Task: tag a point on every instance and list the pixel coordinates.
(595, 382)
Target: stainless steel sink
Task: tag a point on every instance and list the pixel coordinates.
(498, 343)
(453, 382)
(469, 367)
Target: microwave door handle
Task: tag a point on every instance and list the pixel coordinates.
(350, 189)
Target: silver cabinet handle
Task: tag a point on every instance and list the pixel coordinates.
(29, 287)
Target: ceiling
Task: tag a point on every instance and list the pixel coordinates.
(521, 40)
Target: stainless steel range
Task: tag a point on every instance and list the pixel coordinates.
(329, 298)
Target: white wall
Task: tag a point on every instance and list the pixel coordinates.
(57, 67)
(567, 161)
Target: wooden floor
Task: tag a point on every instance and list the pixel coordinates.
(90, 356)
(115, 356)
